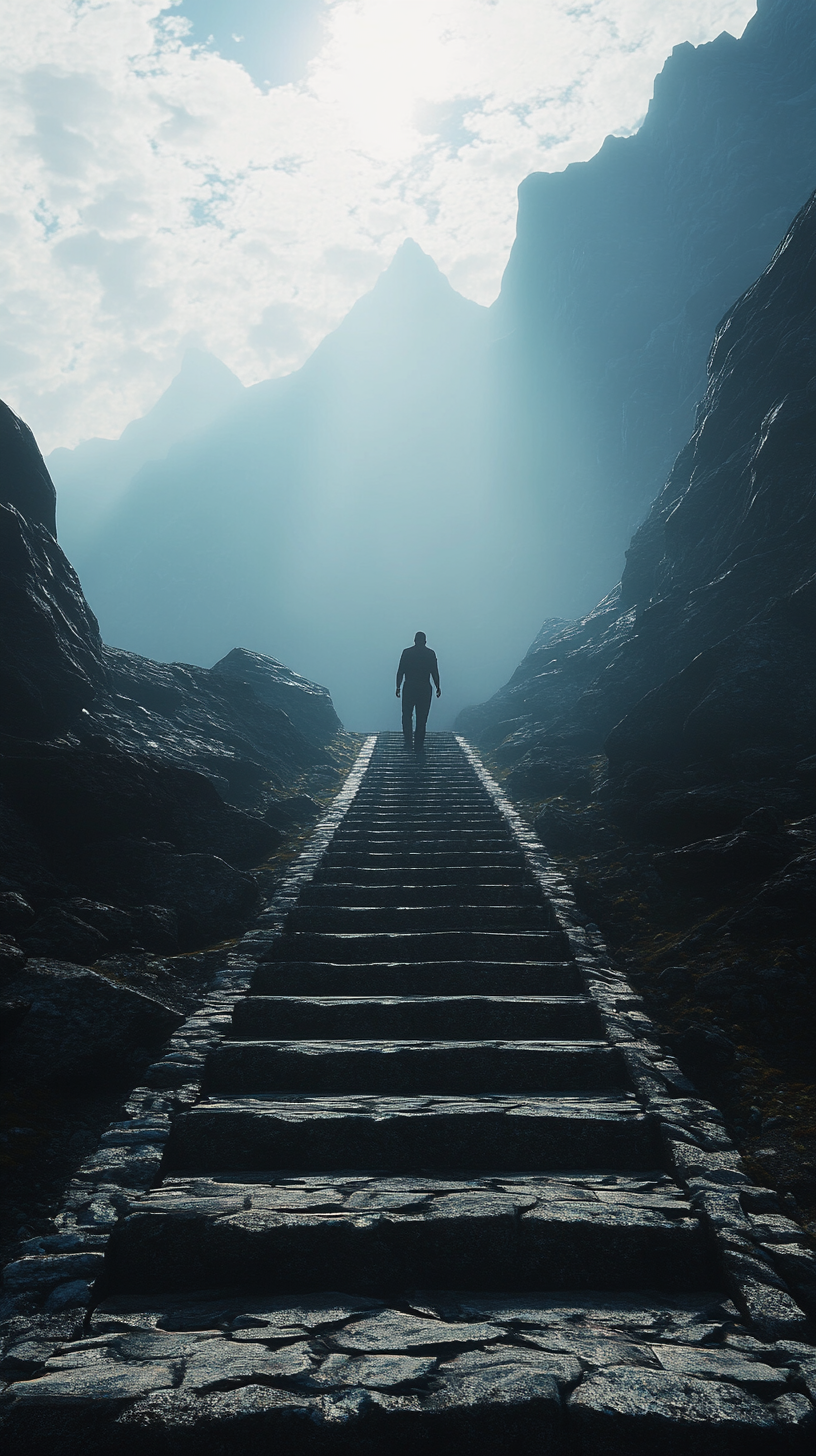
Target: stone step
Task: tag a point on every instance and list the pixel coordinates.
(403, 1068)
(234, 1373)
(454, 945)
(465, 830)
(464, 1018)
(396, 919)
(313, 1133)
(481, 861)
(458, 873)
(417, 978)
(394, 817)
(328, 892)
(465, 841)
(443, 805)
(376, 1236)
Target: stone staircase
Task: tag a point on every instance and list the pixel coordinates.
(418, 1096)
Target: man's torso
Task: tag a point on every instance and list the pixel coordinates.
(418, 664)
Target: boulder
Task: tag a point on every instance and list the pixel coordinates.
(50, 652)
(201, 718)
(76, 1026)
(156, 928)
(116, 925)
(82, 930)
(307, 705)
(25, 483)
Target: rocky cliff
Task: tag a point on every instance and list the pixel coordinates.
(622, 268)
(666, 742)
(141, 807)
(689, 658)
(132, 792)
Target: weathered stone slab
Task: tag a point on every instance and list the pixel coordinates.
(321, 1133)
(375, 1238)
(440, 1017)
(443, 945)
(418, 978)
(626, 1411)
(399, 1067)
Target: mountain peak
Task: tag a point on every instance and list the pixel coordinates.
(412, 267)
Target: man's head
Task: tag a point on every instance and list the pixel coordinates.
(419, 639)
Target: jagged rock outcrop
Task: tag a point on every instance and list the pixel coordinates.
(701, 654)
(129, 831)
(50, 650)
(621, 270)
(213, 721)
(665, 742)
(308, 705)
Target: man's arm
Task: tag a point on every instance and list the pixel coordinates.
(400, 672)
(435, 674)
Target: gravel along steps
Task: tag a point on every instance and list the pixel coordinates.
(432, 1082)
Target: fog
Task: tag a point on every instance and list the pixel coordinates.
(327, 517)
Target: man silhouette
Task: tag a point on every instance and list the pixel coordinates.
(417, 665)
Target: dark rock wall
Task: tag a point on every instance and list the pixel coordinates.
(703, 650)
(125, 784)
(50, 651)
(24, 479)
(665, 744)
(622, 268)
(308, 705)
(213, 722)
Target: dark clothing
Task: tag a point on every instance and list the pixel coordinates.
(417, 665)
(419, 697)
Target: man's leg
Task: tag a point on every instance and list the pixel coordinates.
(407, 714)
(423, 707)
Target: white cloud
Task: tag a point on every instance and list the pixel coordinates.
(150, 189)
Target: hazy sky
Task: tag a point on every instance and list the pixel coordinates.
(234, 173)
